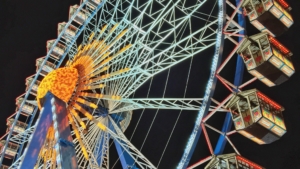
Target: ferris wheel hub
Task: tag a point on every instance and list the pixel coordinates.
(61, 82)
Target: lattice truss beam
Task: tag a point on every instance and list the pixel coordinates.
(164, 103)
(158, 40)
(153, 50)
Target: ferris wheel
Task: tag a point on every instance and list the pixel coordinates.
(103, 67)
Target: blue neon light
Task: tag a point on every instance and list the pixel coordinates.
(210, 88)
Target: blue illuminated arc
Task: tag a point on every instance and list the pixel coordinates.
(210, 88)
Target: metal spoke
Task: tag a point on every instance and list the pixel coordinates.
(139, 158)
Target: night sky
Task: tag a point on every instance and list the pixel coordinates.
(25, 26)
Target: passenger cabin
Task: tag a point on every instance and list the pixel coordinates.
(268, 15)
(256, 116)
(47, 68)
(81, 15)
(11, 149)
(70, 32)
(58, 50)
(267, 59)
(35, 86)
(93, 3)
(19, 127)
(27, 108)
(231, 161)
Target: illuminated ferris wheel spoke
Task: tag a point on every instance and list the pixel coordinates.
(78, 137)
(138, 157)
(98, 151)
(89, 142)
(103, 151)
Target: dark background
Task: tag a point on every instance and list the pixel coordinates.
(25, 26)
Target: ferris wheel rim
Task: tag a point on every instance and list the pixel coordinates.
(210, 87)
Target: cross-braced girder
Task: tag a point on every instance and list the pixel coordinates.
(164, 103)
(23, 137)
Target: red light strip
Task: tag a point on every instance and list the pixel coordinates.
(265, 98)
(282, 48)
(249, 162)
(283, 4)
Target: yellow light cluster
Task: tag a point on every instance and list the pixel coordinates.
(80, 74)
(47, 152)
(84, 65)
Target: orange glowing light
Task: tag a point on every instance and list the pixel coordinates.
(60, 82)
(84, 65)
(79, 75)
(47, 151)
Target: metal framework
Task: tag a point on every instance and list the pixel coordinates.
(148, 37)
